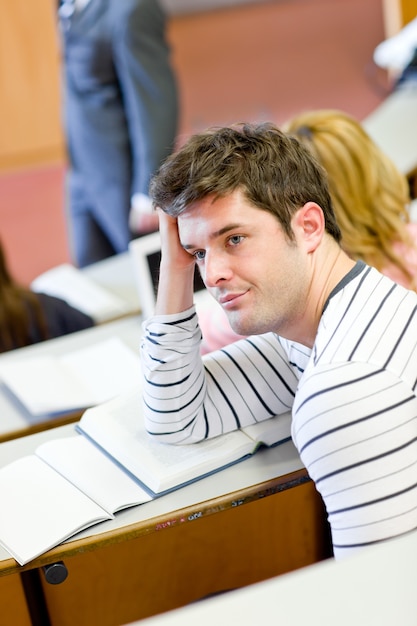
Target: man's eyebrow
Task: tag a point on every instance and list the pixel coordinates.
(215, 234)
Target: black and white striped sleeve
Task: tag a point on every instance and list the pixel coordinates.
(188, 398)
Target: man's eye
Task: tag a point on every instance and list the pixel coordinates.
(235, 240)
(199, 255)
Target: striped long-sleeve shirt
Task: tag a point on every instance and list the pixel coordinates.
(352, 397)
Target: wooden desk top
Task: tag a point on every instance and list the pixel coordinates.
(267, 472)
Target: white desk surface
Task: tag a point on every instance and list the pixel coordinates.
(376, 587)
(265, 465)
(116, 274)
(393, 126)
(126, 329)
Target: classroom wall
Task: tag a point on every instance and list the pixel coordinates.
(398, 13)
(30, 112)
(30, 128)
(30, 104)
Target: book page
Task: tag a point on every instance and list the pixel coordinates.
(40, 509)
(117, 426)
(47, 385)
(272, 431)
(69, 283)
(86, 467)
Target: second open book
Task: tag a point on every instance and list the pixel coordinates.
(110, 464)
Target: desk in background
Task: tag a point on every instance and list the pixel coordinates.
(105, 290)
(254, 520)
(12, 419)
(116, 274)
(393, 126)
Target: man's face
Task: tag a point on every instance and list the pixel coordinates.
(259, 277)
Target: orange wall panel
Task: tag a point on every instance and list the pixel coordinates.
(30, 116)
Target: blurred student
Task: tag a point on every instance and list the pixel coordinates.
(121, 115)
(370, 196)
(27, 317)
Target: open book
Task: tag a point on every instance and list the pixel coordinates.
(48, 385)
(71, 284)
(118, 429)
(72, 483)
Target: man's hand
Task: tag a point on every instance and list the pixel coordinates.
(176, 279)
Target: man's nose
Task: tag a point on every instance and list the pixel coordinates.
(216, 269)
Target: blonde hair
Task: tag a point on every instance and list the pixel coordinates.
(370, 196)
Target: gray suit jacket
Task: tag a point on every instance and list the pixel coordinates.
(121, 114)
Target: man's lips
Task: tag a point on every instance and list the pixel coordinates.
(230, 298)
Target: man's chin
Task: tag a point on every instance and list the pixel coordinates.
(245, 327)
(239, 326)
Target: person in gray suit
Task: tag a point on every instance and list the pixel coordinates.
(120, 118)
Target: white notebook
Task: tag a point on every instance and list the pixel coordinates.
(51, 385)
(72, 285)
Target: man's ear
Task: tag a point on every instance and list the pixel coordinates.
(308, 224)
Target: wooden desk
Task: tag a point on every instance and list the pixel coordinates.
(12, 420)
(376, 588)
(250, 522)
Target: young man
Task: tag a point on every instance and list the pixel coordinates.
(332, 340)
